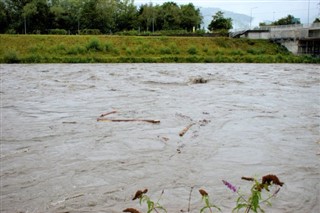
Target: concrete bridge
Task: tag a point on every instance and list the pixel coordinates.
(298, 38)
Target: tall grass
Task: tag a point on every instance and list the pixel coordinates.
(118, 49)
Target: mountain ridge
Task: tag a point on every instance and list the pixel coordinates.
(239, 21)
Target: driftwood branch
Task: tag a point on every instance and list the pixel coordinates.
(186, 129)
(102, 118)
(128, 120)
(108, 113)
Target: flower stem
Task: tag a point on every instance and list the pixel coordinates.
(248, 209)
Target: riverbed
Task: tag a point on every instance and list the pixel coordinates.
(239, 120)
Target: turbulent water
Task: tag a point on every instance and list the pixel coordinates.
(248, 120)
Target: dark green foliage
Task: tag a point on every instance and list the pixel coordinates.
(92, 17)
(90, 32)
(219, 22)
(192, 50)
(58, 32)
(94, 44)
(290, 19)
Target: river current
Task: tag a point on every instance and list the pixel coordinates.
(244, 120)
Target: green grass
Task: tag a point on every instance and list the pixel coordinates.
(139, 49)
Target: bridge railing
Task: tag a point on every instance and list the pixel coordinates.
(294, 31)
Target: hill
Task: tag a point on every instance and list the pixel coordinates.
(239, 21)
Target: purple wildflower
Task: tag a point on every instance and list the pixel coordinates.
(229, 185)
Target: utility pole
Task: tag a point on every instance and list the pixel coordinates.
(273, 15)
(308, 12)
(25, 24)
(251, 15)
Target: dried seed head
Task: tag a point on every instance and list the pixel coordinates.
(131, 210)
(139, 194)
(203, 192)
(268, 179)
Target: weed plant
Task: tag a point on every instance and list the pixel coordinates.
(260, 194)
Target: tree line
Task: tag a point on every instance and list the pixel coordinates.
(106, 16)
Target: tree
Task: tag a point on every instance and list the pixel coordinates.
(317, 20)
(126, 16)
(219, 22)
(147, 16)
(190, 17)
(290, 19)
(36, 14)
(4, 19)
(14, 14)
(171, 16)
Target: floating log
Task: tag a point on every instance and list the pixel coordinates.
(102, 118)
(128, 120)
(186, 129)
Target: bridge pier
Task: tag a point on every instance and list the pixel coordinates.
(292, 45)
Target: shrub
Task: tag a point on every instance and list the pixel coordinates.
(58, 32)
(174, 48)
(11, 31)
(237, 52)
(90, 32)
(94, 44)
(193, 59)
(76, 50)
(208, 60)
(165, 50)
(33, 58)
(11, 57)
(108, 47)
(192, 50)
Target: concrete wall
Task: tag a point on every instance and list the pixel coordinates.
(292, 46)
(289, 33)
(258, 35)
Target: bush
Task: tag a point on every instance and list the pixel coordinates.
(256, 51)
(33, 58)
(165, 50)
(192, 50)
(58, 32)
(76, 50)
(129, 33)
(94, 44)
(90, 32)
(11, 57)
(109, 48)
(11, 31)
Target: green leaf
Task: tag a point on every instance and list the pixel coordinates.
(150, 205)
(160, 207)
(214, 206)
(204, 208)
(240, 206)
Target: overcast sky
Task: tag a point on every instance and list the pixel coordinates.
(261, 10)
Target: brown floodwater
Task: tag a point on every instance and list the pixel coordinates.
(248, 120)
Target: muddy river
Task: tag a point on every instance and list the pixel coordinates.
(243, 119)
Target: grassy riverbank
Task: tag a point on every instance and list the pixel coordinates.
(117, 49)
